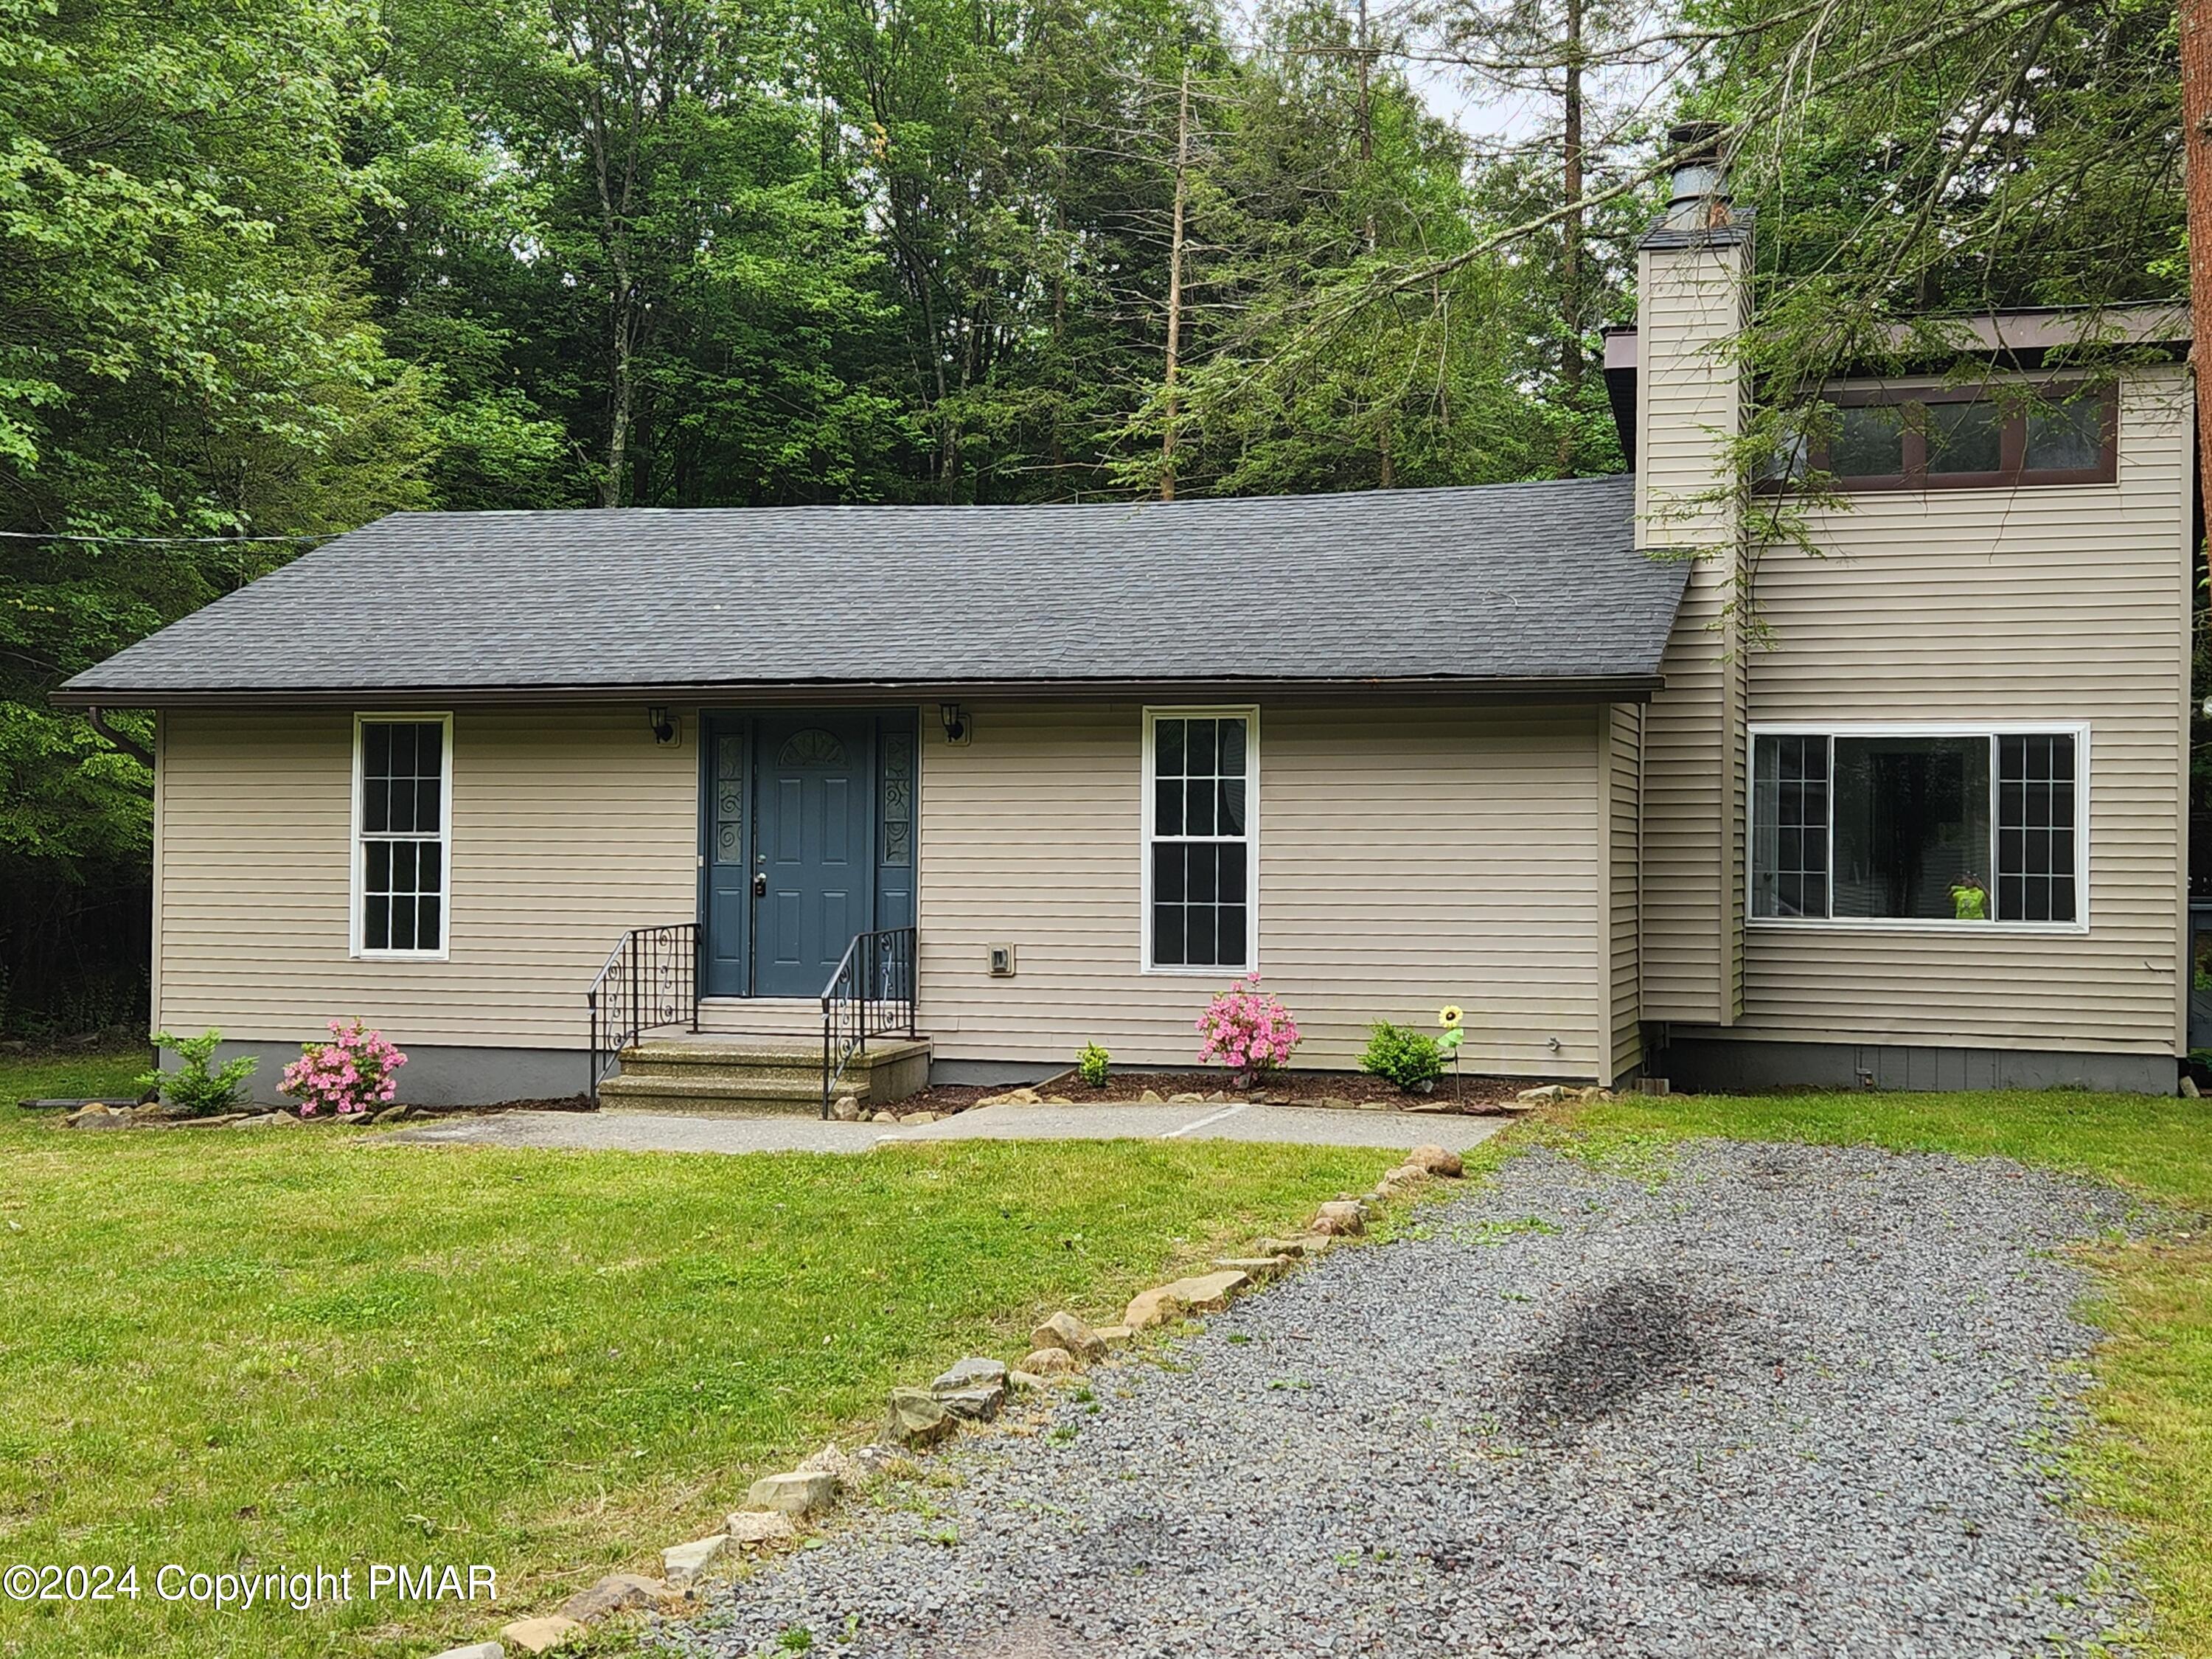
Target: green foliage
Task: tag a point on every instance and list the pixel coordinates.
(192, 1087)
(184, 351)
(1912, 165)
(1400, 1055)
(1092, 1065)
(1312, 358)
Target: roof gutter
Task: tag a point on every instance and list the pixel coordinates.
(1600, 688)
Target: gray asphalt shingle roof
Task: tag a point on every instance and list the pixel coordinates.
(1510, 583)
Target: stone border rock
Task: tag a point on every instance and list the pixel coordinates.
(1041, 1095)
(972, 1390)
(152, 1115)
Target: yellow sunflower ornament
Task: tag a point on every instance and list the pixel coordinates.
(1451, 1017)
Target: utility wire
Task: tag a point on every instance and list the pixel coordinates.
(162, 541)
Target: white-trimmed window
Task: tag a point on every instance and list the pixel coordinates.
(1202, 839)
(1948, 825)
(403, 770)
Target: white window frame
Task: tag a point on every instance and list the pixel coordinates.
(357, 908)
(1249, 713)
(2077, 730)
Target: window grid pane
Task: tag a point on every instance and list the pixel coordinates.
(1868, 442)
(403, 825)
(1791, 807)
(2035, 829)
(1964, 437)
(1200, 860)
(2065, 437)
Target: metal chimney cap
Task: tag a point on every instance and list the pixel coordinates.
(1697, 191)
(1701, 139)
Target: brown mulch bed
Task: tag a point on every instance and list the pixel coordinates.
(1480, 1095)
(1474, 1094)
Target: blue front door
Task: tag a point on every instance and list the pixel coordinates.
(814, 882)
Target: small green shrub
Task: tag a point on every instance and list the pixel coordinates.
(191, 1087)
(1092, 1065)
(1402, 1055)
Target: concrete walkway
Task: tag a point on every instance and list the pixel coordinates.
(656, 1131)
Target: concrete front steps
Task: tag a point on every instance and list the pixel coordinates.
(749, 1076)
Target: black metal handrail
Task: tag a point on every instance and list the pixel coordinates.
(870, 995)
(651, 980)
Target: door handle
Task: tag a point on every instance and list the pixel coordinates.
(760, 884)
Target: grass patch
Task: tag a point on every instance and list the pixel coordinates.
(299, 1348)
(110, 1073)
(2150, 1464)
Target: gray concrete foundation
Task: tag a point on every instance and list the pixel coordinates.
(436, 1074)
(983, 1074)
(1709, 1065)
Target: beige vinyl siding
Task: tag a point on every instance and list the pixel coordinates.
(1623, 735)
(2061, 604)
(1408, 857)
(1689, 410)
(569, 824)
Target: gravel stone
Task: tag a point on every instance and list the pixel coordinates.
(1727, 1401)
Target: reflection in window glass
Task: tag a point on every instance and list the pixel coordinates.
(1964, 437)
(1868, 442)
(1913, 821)
(1788, 462)
(2068, 437)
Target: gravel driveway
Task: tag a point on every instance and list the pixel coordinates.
(1783, 1400)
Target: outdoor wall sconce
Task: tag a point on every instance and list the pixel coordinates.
(955, 722)
(664, 730)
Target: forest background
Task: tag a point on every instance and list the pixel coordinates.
(270, 269)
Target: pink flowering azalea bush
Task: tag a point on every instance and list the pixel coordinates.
(349, 1075)
(1247, 1030)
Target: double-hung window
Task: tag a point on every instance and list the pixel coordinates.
(403, 791)
(1936, 824)
(1201, 798)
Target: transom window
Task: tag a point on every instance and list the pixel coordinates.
(1960, 438)
(1200, 789)
(1935, 825)
(403, 780)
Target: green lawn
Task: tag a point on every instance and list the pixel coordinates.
(300, 1348)
(2151, 1462)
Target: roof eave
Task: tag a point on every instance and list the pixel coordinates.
(1619, 688)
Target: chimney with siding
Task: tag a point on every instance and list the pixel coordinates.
(1693, 296)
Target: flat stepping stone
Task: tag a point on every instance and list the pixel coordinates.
(802, 1491)
(536, 1636)
(680, 1564)
(969, 1374)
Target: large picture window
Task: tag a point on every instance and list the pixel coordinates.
(1937, 825)
(1201, 772)
(403, 774)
